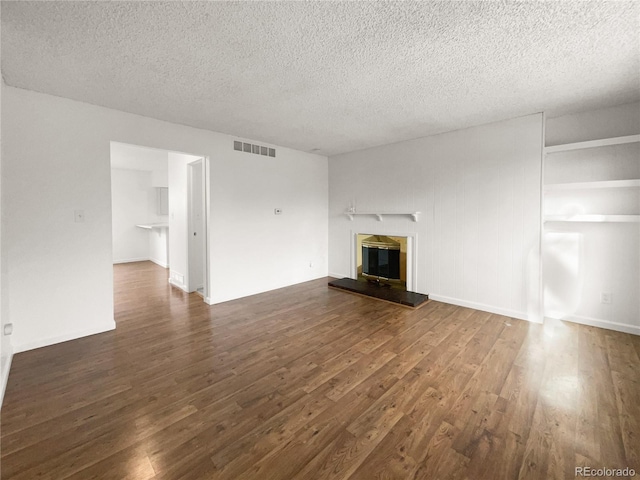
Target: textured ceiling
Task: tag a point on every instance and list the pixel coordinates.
(330, 76)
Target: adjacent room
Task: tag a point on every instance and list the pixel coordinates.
(305, 240)
(158, 212)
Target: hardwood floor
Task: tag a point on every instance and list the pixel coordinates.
(307, 382)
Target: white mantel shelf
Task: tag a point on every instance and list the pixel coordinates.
(380, 215)
(151, 226)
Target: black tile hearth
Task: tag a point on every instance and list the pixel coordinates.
(410, 299)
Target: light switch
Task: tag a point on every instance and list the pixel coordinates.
(79, 216)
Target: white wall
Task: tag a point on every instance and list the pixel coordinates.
(158, 237)
(617, 121)
(160, 178)
(478, 237)
(56, 159)
(6, 349)
(159, 246)
(254, 249)
(132, 200)
(584, 260)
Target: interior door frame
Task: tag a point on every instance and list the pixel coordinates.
(204, 162)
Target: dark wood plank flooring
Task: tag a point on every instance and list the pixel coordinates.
(308, 382)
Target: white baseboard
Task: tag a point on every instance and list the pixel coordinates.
(158, 262)
(179, 285)
(596, 322)
(44, 342)
(485, 308)
(131, 260)
(5, 374)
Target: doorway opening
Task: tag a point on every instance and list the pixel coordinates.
(159, 212)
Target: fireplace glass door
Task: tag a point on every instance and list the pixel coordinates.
(381, 258)
(381, 262)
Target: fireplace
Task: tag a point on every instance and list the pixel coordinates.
(383, 265)
(380, 258)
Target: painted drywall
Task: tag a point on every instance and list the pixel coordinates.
(56, 159)
(158, 237)
(584, 260)
(160, 178)
(616, 121)
(478, 191)
(132, 199)
(6, 350)
(254, 248)
(159, 246)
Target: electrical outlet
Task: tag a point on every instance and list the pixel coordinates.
(605, 298)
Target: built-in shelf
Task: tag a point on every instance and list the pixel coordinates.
(589, 187)
(593, 144)
(593, 218)
(413, 215)
(593, 185)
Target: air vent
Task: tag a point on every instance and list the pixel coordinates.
(256, 149)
